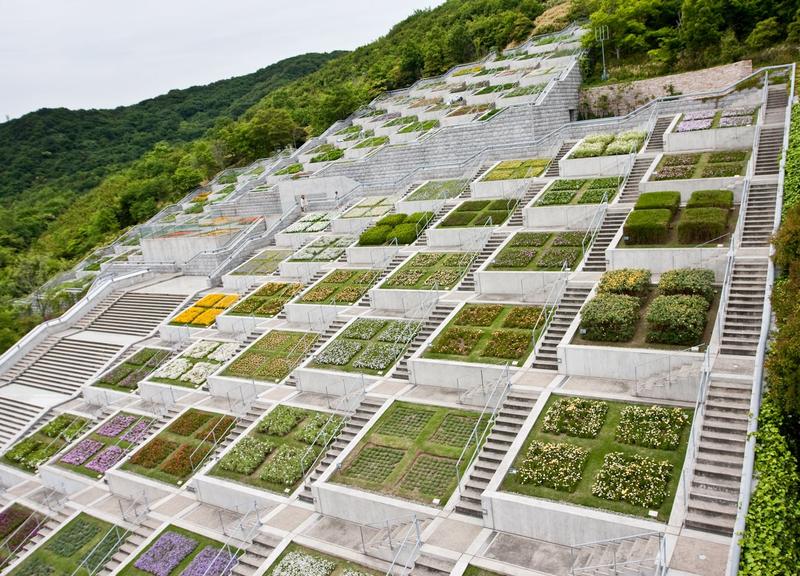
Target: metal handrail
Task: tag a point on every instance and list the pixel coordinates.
(614, 564)
(696, 429)
(412, 555)
(549, 309)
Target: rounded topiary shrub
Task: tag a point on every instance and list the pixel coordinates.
(647, 226)
(391, 220)
(416, 217)
(375, 236)
(679, 320)
(405, 233)
(698, 225)
(688, 281)
(610, 318)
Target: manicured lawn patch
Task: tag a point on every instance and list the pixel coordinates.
(396, 228)
(488, 334)
(341, 286)
(371, 207)
(579, 191)
(437, 190)
(192, 368)
(606, 471)
(273, 356)
(267, 301)
(517, 169)
(325, 249)
(296, 560)
(126, 375)
(45, 442)
(372, 142)
(596, 145)
(429, 270)
(479, 213)
(326, 153)
(310, 223)
(282, 448)
(423, 126)
(290, 169)
(204, 312)
(536, 251)
(410, 452)
(475, 571)
(180, 449)
(702, 165)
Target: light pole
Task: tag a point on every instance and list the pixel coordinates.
(601, 35)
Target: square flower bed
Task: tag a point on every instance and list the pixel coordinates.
(324, 249)
(326, 153)
(627, 460)
(396, 228)
(180, 449)
(411, 452)
(517, 169)
(342, 286)
(267, 301)
(204, 312)
(437, 190)
(126, 375)
(422, 126)
(580, 191)
(371, 207)
(479, 213)
(708, 119)
(368, 345)
(45, 442)
(539, 251)
(179, 552)
(263, 264)
(702, 165)
(429, 270)
(193, 367)
(596, 145)
(106, 445)
(372, 142)
(83, 546)
(488, 334)
(18, 524)
(401, 121)
(281, 450)
(296, 560)
(273, 356)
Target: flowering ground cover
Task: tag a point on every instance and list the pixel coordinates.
(106, 445)
(621, 457)
(371, 207)
(368, 346)
(86, 542)
(310, 223)
(479, 213)
(596, 145)
(194, 365)
(263, 263)
(539, 251)
(202, 313)
(517, 169)
(708, 119)
(178, 450)
(18, 524)
(267, 301)
(126, 375)
(580, 191)
(324, 249)
(273, 356)
(296, 560)
(411, 452)
(702, 165)
(341, 286)
(488, 334)
(179, 552)
(475, 571)
(283, 447)
(45, 442)
(429, 270)
(437, 190)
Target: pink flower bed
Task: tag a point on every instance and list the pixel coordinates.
(106, 459)
(82, 452)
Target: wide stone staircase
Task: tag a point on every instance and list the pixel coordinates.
(517, 216)
(630, 193)
(255, 554)
(769, 150)
(759, 216)
(777, 100)
(742, 327)
(656, 142)
(15, 416)
(631, 556)
(596, 259)
(569, 305)
(355, 422)
(133, 313)
(553, 170)
(467, 283)
(437, 316)
(510, 417)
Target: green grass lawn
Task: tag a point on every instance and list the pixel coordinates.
(264, 264)
(273, 356)
(604, 443)
(539, 252)
(341, 286)
(411, 452)
(340, 566)
(427, 270)
(125, 376)
(579, 191)
(202, 542)
(475, 571)
(517, 169)
(437, 190)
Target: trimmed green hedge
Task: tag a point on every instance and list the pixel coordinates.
(403, 227)
(659, 200)
(689, 282)
(404, 233)
(699, 225)
(458, 219)
(711, 199)
(647, 226)
(375, 236)
(678, 319)
(610, 318)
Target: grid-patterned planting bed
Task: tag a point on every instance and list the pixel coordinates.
(272, 357)
(540, 251)
(373, 207)
(310, 223)
(580, 191)
(296, 559)
(263, 264)
(325, 249)
(436, 190)
(268, 300)
(192, 368)
(479, 213)
(126, 375)
(204, 312)
(431, 270)
(342, 286)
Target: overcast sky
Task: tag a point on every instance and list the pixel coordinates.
(107, 53)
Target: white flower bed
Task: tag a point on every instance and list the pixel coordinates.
(299, 564)
(224, 352)
(201, 349)
(173, 370)
(199, 373)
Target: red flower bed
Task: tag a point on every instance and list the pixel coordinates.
(179, 464)
(189, 422)
(153, 453)
(214, 429)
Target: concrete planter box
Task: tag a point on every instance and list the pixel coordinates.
(318, 316)
(659, 260)
(181, 249)
(301, 270)
(732, 138)
(430, 114)
(594, 167)
(507, 77)
(372, 256)
(452, 374)
(165, 394)
(294, 240)
(450, 120)
(170, 333)
(10, 476)
(404, 137)
(541, 78)
(241, 282)
(384, 130)
(238, 324)
(689, 185)
(475, 98)
(104, 396)
(411, 206)
(332, 382)
(406, 302)
(563, 217)
(499, 188)
(461, 79)
(238, 389)
(132, 486)
(560, 62)
(528, 286)
(233, 496)
(353, 226)
(521, 64)
(63, 480)
(460, 239)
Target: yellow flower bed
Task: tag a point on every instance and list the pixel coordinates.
(188, 315)
(226, 301)
(209, 300)
(205, 311)
(207, 317)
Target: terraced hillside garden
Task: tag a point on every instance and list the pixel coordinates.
(181, 448)
(45, 442)
(517, 169)
(323, 249)
(579, 191)
(273, 356)
(436, 190)
(204, 312)
(341, 286)
(488, 334)
(372, 207)
(126, 375)
(267, 301)
(310, 223)
(431, 271)
(476, 213)
(263, 264)
(81, 547)
(297, 560)
(622, 457)
(723, 164)
(596, 145)
(540, 251)
(280, 451)
(193, 367)
(411, 452)
(398, 229)
(367, 346)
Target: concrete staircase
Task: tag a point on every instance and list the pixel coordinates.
(366, 301)
(438, 315)
(517, 216)
(632, 556)
(596, 259)
(467, 283)
(53, 522)
(133, 313)
(467, 191)
(769, 150)
(135, 538)
(630, 193)
(714, 493)
(512, 414)
(777, 100)
(568, 307)
(742, 326)
(759, 216)
(365, 410)
(15, 416)
(656, 142)
(552, 170)
(422, 239)
(255, 554)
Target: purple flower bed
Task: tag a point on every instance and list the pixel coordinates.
(163, 556)
(82, 452)
(732, 121)
(210, 562)
(106, 459)
(738, 112)
(699, 115)
(693, 125)
(137, 433)
(113, 427)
